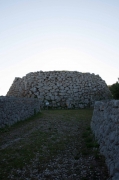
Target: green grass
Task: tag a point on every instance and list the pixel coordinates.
(47, 141)
(90, 145)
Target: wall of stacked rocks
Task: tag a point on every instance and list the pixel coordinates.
(105, 125)
(14, 109)
(62, 89)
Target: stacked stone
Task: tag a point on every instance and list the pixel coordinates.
(61, 88)
(14, 109)
(104, 124)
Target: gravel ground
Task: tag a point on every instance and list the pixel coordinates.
(60, 156)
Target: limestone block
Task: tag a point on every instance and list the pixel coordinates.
(81, 106)
(116, 176)
(33, 89)
(65, 83)
(76, 91)
(52, 98)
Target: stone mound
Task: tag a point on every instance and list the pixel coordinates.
(61, 89)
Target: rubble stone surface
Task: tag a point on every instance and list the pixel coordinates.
(104, 124)
(14, 109)
(62, 89)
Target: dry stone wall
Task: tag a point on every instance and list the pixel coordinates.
(105, 125)
(61, 89)
(14, 109)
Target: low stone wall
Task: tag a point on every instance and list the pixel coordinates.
(14, 109)
(105, 125)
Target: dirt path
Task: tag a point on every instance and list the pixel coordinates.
(56, 145)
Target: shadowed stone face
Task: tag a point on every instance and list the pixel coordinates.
(14, 109)
(104, 125)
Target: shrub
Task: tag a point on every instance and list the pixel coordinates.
(114, 88)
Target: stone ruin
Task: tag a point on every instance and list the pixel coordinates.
(61, 89)
(14, 109)
(105, 127)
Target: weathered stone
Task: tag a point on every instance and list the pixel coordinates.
(81, 87)
(116, 176)
(14, 109)
(105, 127)
(117, 166)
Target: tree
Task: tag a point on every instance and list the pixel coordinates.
(114, 88)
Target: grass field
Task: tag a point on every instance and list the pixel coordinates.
(55, 144)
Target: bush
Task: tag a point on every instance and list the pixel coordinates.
(114, 88)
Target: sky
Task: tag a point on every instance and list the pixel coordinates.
(47, 35)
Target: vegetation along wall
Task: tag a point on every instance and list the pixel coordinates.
(14, 109)
(62, 89)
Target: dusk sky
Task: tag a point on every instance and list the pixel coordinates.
(75, 35)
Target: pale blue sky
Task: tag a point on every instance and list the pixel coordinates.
(80, 35)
